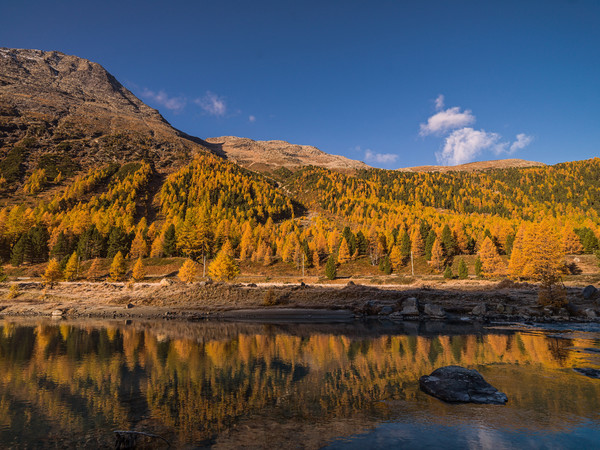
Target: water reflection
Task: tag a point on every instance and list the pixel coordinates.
(228, 384)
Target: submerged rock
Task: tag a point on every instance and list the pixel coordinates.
(455, 384)
(588, 372)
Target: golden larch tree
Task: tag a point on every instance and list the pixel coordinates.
(344, 252)
(570, 242)
(139, 271)
(396, 257)
(118, 268)
(437, 255)
(416, 243)
(53, 273)
(71, 268)
(491, 262)
(188, 271)
(224, 267)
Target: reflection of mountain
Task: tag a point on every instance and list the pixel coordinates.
(68, 380)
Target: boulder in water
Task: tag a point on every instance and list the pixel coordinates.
(455, 384)
(588, 372)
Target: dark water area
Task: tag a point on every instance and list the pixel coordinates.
(229, 385)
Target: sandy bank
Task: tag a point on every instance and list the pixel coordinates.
(482, 300)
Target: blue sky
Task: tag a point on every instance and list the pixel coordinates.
(393, 83)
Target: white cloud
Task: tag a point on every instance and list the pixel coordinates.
(212, 104)
(251, 119)
(522, 141)
(439, 102)
(173, 103)
(447, 120)
(463, 145)
(381, 158)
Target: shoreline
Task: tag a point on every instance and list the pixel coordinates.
(483, 301)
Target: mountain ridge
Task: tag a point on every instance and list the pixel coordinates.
(266, 156)
(52, 102)
(493, 164)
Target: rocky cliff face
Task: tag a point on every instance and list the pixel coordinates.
(56, 103)
(266, 156)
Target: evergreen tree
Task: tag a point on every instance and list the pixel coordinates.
(71, 268)
(510, 241)
(405, 245)
(478, 267)
(38, 251)
(224, 266)
(188, 271)
(448, 273)
(448, 242)
(118, 242)
(431, 238)
(350, 239)
(463, 270)
(91, 244)
(170, 242)
(385, 265)
(361, 243)
(3, 276)
(139, 272)
(62, 247)
(53, 273)
(118, 268)
(17, 255)
(330, 268)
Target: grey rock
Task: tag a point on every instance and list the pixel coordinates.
(588, 372)
(386, 310)
(166, 282)
(479, 310)
(455, 384)
(500, 308)
(589, 292)
(58, 313)
(410, 307)
(590, 313)
(434, 311)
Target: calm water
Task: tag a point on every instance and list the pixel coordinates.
(70, 384)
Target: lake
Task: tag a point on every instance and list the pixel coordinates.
(226, 385)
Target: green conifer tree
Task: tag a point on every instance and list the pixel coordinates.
(463, 270)
(330, 268)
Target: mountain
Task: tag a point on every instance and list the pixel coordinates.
(476, 166)
(57, 104)
(266, 156)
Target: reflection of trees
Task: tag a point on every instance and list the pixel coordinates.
(86, 377)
